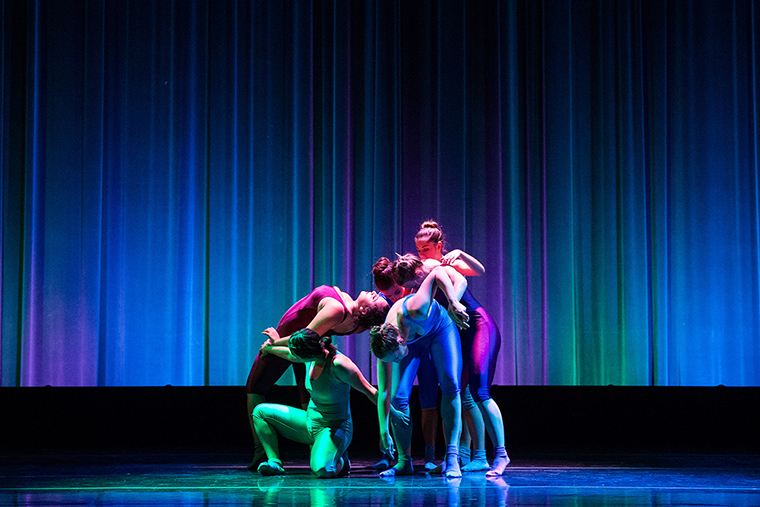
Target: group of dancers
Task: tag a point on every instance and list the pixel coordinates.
(424, 323)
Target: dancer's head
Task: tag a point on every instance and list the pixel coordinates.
(429, 241)
(385, 281)
(408, 271)
(387, 344)
(371, 309)
(307, 344)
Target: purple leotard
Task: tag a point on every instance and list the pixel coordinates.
(480, 347)
(266, 370)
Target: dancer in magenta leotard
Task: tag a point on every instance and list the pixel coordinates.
(326, 310)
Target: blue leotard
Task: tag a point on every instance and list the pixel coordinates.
(440, 340)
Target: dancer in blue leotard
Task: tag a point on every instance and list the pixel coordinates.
(480, 347)
(418, 325)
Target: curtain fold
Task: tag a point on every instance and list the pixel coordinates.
(176, 174)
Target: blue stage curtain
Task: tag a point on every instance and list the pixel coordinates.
(176, 174)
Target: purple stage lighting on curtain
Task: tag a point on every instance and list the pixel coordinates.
(176, 174)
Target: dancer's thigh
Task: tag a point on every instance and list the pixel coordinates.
(427, 382)
(447, 355)
(485, 345)
(402, 391)
(290, 422)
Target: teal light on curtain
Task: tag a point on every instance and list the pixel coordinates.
(176, 174)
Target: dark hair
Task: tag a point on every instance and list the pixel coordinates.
(405, 268)
(429, 231)
(382, 271)
(383, 340)
(374, 315)
(307, 344)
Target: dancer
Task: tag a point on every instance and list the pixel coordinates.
(326, 424)
(418, 325)
(480, 347)
(408, 267)
(427, 378)
(327, 311)
(385, 280)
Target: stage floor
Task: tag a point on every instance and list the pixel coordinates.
(208, 479)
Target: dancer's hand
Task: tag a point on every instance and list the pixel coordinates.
(388, 448)
(458, 314)
(449, 258)
(273, 336)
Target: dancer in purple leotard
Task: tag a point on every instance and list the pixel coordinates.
(327, 311)
(480, 347)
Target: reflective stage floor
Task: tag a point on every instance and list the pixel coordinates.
(210, 479)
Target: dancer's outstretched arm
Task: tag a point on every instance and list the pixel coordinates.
(282, 351)
(384, 376)
(463, 262)
(419, 303)
(329, 315)
(347, 371)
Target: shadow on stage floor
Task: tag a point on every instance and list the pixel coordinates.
(223, 479)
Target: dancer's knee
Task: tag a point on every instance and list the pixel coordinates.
(468, 403)
(257, 413)
(323, 469)
(450, 388)
(263, 411)
(324, 472)
(481, 394)
(480, 388)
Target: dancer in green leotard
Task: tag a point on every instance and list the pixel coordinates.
(326, 424)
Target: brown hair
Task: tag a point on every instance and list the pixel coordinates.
(383, 339)
(382, 272)
(429, 231)
(374, 314)
(307, 344)
(405, 268)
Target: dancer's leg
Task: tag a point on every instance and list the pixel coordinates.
(427, 385)
(447, 354)
(265, 371)
(465, 441)
(329, 447)
(482, 366)
(474, 419)
(258, 451)
(495, 425)
(269, 419)
(429, 422)
(401, 418)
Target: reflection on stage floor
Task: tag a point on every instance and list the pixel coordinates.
(222, 479)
